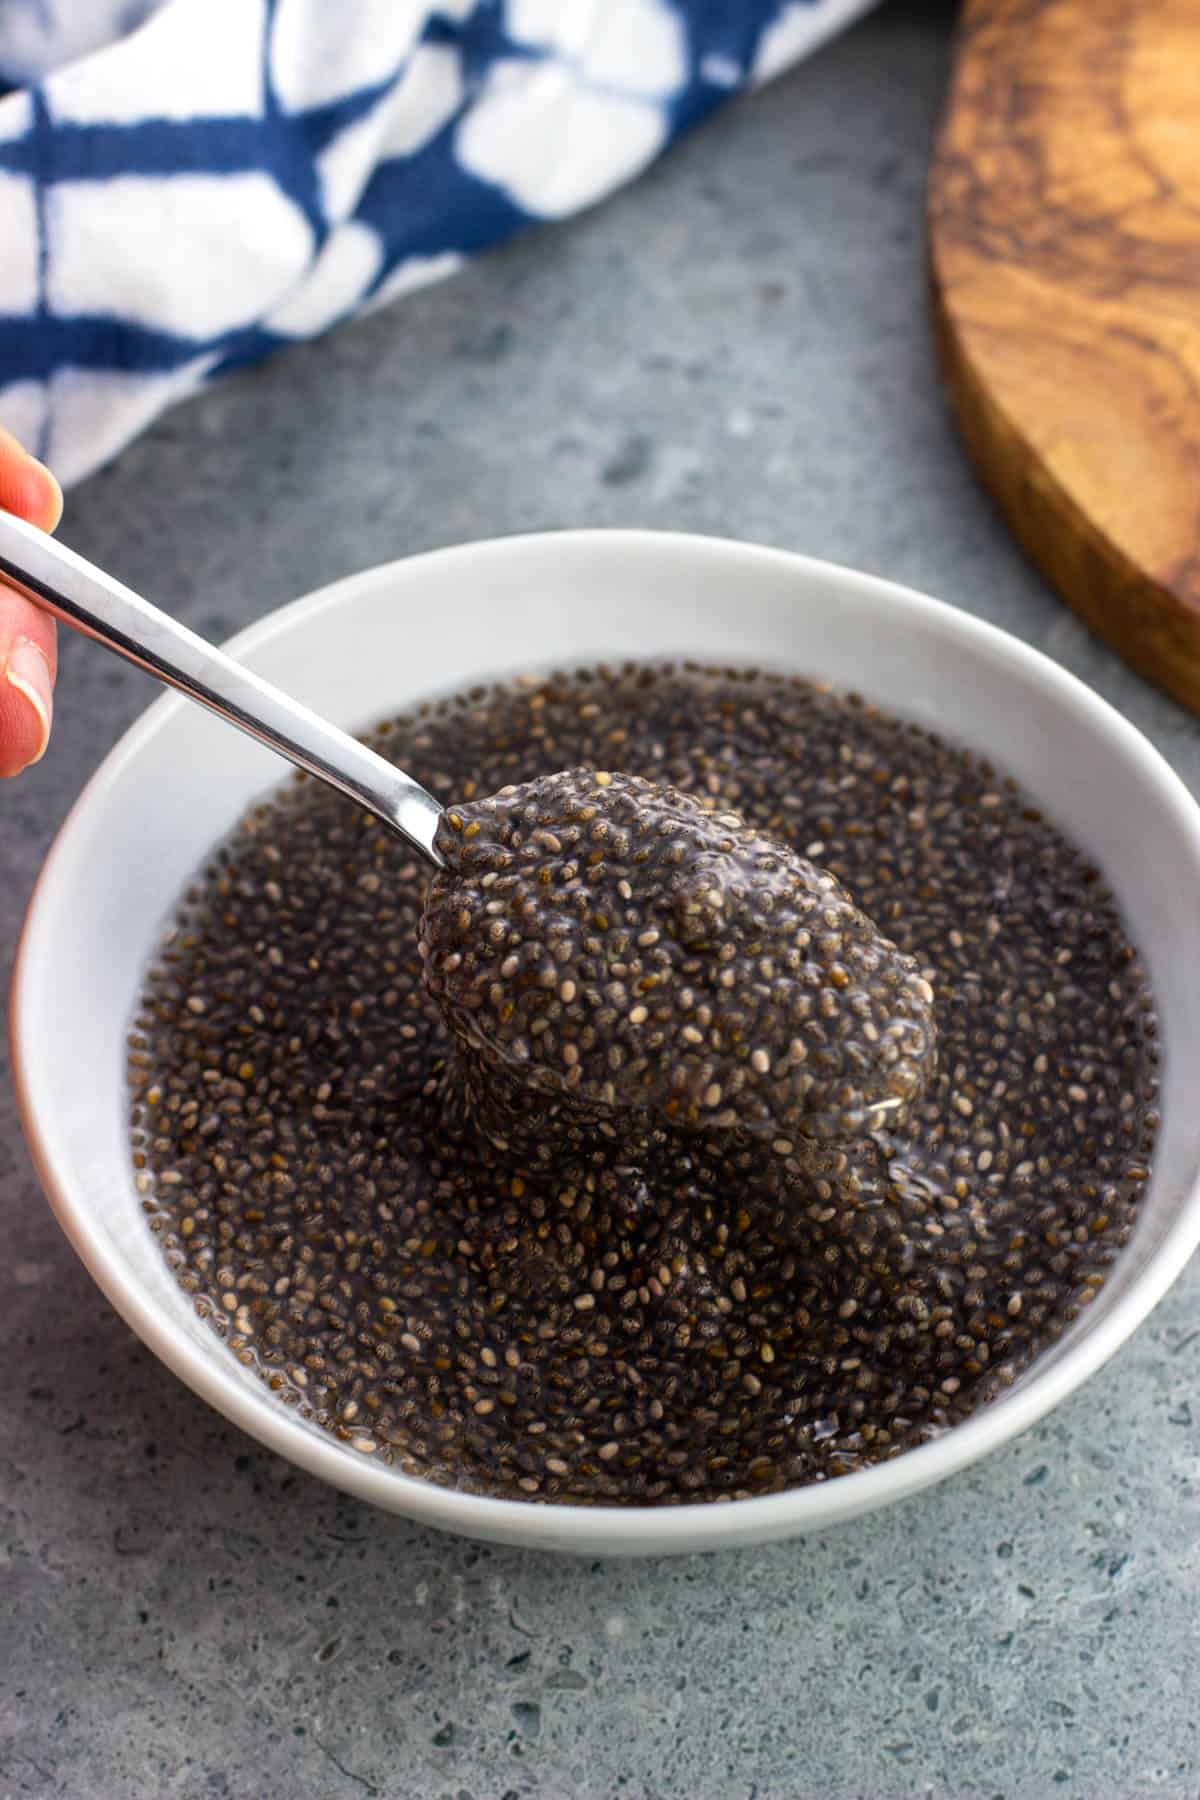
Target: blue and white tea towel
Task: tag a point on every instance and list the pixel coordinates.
(187, 185)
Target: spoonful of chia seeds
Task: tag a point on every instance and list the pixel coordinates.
(601, 947)
(604, 946)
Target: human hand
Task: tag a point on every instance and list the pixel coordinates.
(28, 659)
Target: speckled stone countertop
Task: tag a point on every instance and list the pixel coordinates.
(737, 345)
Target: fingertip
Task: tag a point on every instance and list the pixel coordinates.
(33, 493)
(27, 486)
(26, 707)
(50, 499)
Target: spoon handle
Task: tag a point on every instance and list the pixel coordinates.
(83, 596)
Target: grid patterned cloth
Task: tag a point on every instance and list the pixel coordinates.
(188, 185)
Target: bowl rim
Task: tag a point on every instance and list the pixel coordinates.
(556, 1524)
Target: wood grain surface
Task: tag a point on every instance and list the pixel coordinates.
(1064, 239)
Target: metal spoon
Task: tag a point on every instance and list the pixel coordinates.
(81, 595)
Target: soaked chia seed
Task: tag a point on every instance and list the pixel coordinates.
(611, 954)
(634, 1310)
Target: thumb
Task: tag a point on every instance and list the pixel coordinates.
(27, 635)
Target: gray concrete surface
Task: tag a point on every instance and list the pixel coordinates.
(737, 345)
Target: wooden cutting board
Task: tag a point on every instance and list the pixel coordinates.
(1064, 239)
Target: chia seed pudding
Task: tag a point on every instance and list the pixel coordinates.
(613, 956)
(791, 1216)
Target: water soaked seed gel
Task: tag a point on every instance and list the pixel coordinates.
(612, 952)
(677, 1141)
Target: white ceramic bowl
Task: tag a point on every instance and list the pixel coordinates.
(370, 645)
